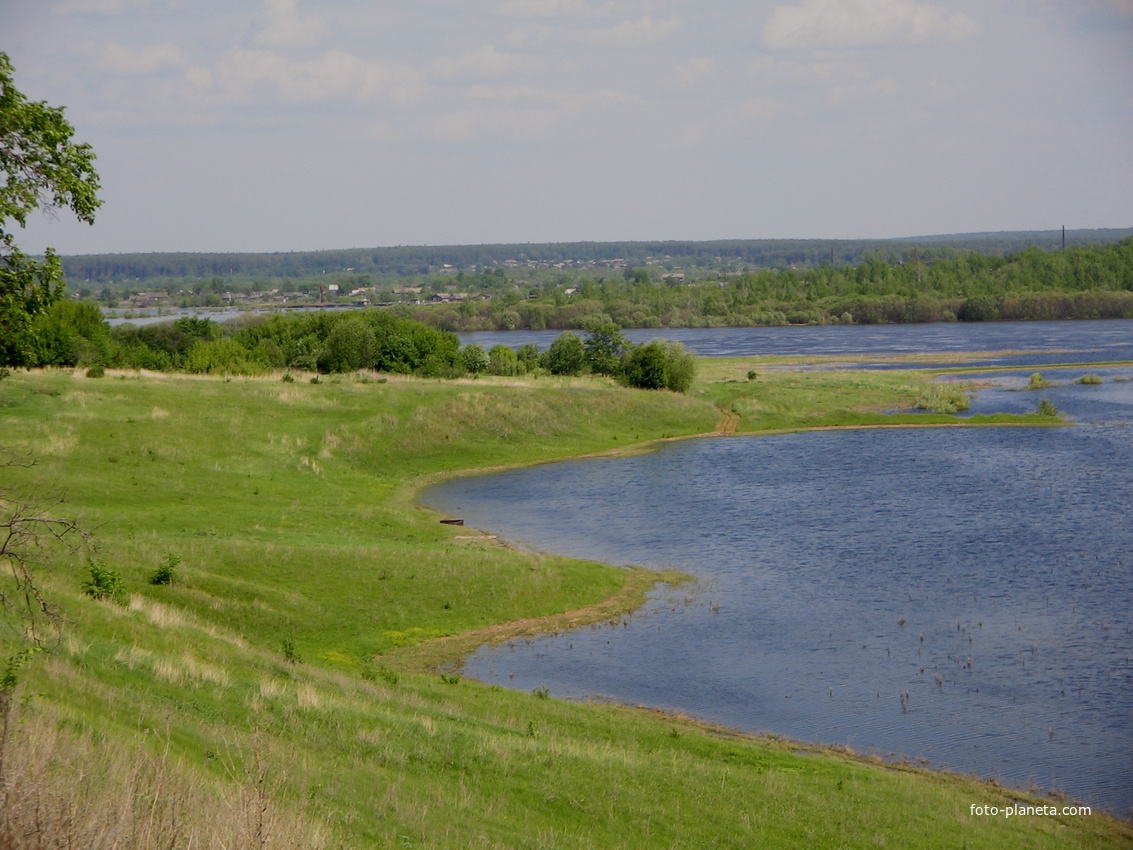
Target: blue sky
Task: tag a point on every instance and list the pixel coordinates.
(298, 125)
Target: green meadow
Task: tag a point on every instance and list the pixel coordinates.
(297, 683)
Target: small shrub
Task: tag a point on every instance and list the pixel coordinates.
(96, 371)
(752, 375)
(942, 398)
(1046, 408)
(1089, 379)
(541, 692)
(288, 378)
(167, 572)
(1038, 382)
(372, 674)
(450, 678)
(290, 652)
(104, 583)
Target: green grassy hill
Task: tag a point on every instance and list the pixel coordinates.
(284, 689)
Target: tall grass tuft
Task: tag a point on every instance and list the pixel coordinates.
(62, 788)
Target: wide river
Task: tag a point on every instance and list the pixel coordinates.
(962, 597)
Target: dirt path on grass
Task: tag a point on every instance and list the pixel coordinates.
(728, 424)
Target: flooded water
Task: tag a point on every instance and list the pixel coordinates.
(1016, 343)
(959, 596)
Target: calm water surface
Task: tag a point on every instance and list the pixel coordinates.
(954, 595)
(1015, 343)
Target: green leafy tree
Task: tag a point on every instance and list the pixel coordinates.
(980, 308)
(70, 332)
(222, 357)
(475, 358)
(350, 345)
(605, 346)
(528, 355)
(660, 364)
(680, 367)
(41, 168)
(503, 361)
(645, 366)
(566, 355)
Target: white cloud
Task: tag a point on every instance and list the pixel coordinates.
(695, 70)
(759, 108)
(815, 24)
(279, 24)
(128, 62)
(640, 33)
(335, 75)
(522, 112)
(774, 69)
(102, 7)
(841, 95)
(546, 9)
(486, 62)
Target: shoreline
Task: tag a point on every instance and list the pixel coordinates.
(450, 653)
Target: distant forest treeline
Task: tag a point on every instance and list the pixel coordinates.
(1091, 282)
(146, 270)
(1087, 282)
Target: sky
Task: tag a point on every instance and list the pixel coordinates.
(296, 125)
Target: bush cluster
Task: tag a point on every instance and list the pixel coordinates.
(655, 365)
(347, 342)
(73, 333)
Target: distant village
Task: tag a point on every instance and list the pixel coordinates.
(438, 288)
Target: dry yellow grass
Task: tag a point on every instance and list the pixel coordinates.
(59, 788)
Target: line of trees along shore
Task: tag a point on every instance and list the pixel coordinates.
(1082, 282)
(71, 334)
(1093, 282)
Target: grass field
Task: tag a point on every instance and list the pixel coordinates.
(296, 685)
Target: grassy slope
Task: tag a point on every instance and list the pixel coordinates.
(290, 505)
